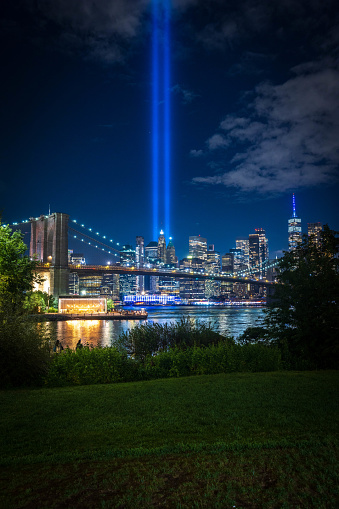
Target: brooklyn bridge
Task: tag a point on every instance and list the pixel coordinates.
(49, 246)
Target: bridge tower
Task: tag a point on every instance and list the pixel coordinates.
(49, 244)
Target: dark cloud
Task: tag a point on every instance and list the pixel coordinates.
(290, 136)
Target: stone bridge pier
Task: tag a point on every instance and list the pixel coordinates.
(49, 244)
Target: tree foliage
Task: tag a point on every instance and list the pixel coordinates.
(37, 302)
(304, 315)
(17, 271)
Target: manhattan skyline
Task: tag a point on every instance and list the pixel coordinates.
(254, 117)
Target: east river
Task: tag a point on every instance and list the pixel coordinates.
(228, 321)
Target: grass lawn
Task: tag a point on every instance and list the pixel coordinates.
(251, 440)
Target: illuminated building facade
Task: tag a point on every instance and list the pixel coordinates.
(90, 285)
(192, 289)
(171, 259)
(77, 259)
(212, 266)
(168, 285)
(128, 282)
(110, 286)
(82, 305)
(151, 299)
(242, 243)
(151, 253)
(258, 252)
(197, 247)
(294, 229)
(314, 232)
(73, 285)
(140, 260)
(227, 262)
(162, 247)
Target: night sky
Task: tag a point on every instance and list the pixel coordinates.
(254, 91)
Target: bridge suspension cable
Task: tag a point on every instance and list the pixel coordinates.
(94, 243)
(78, 224)
(266, 264)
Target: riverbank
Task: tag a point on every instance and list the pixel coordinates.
(245, 440)
(115, 315)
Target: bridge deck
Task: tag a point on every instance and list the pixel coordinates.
(91, 270)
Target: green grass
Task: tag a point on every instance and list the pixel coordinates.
(243, 440)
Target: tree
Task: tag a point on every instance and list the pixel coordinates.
(17, 271)
(110, 305)
(303, 317)
(38, 301)
(24, 346)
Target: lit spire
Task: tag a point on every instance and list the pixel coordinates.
(293, 201)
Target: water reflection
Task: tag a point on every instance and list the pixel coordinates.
(228, 321)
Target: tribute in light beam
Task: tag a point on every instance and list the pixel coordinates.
(155, 118)
(167, 105)
(161, 162)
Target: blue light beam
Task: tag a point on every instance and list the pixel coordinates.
(167, 120)
(161, 107)
(155, 117)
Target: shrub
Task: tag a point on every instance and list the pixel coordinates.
(25, 353)
(109, 365)
(91, 366)
(150, 338)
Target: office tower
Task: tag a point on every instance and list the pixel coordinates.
(139, 261)
(127, 255)
(140, 251)
(73, 283)
(198, 247)
(127, 281)
(294, 229)
(227, 263)
(90, 285)
(151, 253)
(212, 266)
(237, 259)
(162, 247)
(170, 253)
(314, 232)
(168, 285)
(243, 244)
(258, 252)
(110, 286)
(76, 258)
(191, 289)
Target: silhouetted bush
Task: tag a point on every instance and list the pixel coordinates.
(109, 365)
(25, 353)
(150, 338)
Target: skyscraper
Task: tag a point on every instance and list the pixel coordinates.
(258, 252)
(314, 230)
(127, 281)
(212, 266)
(243, 244)
(294, 228)
(198, 247)
(170, 253)
(162, 247)
(139, 260)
